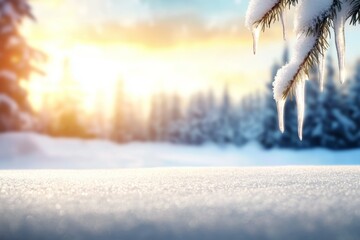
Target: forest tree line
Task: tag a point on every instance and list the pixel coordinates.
(332, 117)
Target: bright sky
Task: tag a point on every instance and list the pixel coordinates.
(154, 45)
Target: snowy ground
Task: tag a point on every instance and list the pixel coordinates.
(181, 203)
(173, 201)
(24, 151)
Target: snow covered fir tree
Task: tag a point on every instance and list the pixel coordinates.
(313, 22)
(16, 65)
(67, 123)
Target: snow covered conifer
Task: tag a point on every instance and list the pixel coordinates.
(68, 122)
(155, 127)
(159, 117)
(224, 130)
(175, 118)
(119, 113)
(15, 65)
(353, 106)
(330, 111)
(313, 23)
(251, 124)
(196, 120)
(315, 114)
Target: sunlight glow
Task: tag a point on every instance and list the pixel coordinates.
(95, 70)
(147, 56)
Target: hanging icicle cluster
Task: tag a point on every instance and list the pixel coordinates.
(313, 23)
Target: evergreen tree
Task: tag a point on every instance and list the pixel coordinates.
(16, 65)
(68, 121)
(250, 117)
(135, 130)
(224, 126)
(175, 126)
(212, 116)
(119, 113)
(165, 116)
(158, 118)
(153, 119)
(352, 105)
(101, 129)
(239, 119)
(314, 119)
(333, 128)
(196, 127)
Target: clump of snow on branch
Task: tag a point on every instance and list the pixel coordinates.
(307, 12)
(256, 11)
(311, 21)
(285, 74)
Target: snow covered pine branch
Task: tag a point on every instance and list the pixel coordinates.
(313, 22)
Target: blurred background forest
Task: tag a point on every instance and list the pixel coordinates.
(207, 115)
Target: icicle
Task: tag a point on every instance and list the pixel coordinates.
(340, 40)
(322, 60)
(300, 103)
(280, 108)
(282, 17)
(255, 35)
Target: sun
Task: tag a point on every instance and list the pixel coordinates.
(93, 71)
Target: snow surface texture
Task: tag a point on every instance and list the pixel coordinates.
(308, 13)
(224, 203)
(29, 151)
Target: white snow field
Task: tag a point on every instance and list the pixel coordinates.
(101, 190)
(33, 151)
(181, 203)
